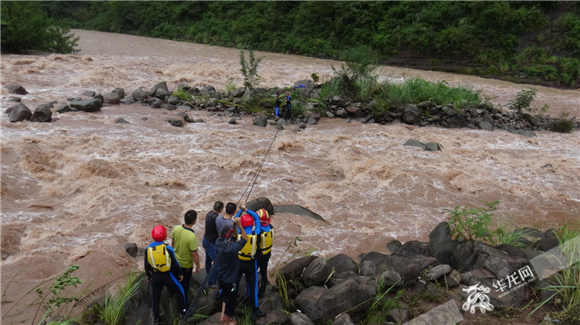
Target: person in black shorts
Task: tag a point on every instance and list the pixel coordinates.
(227, 274)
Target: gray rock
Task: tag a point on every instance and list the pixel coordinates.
(14, 99)
(198, 120)
(160, 86)
(306, 300)
(185, 116)
(176, 122)
(302, 126)
(342, 263)
(486, 126)
(438, 271)
(368, 269)
(19, 112)
(140, 94)
(411, 114)
(261, 203)
(443, 251)
(341, 113)
(393, 245)
(452, 279)
(15, 89)
(476, 255)
(155, 102)
(415, 143)
(317, 272)
(424, 105)
(238, 92)
(329, 115)
(433, 146)
(42, 113)
(205, 91)
(169, 107)
(545, 244)
(111, 98)
(414, 248)
(450, 111)
(128, 101)
(349, 295)
(88, 105)
(295, 268)
(337, 100)
(278, 127)
(300, 319)
(184, 107)
(232, 121)
(398, 315)
(308, 85)
(63, 108)
(407, 267)
(183, 86)
(120, 92)
(88, 93)
(260, 120)
(343, 319)
(390, 279)
(173, 100)
(121, 120)
(440, 233)
(311, 121)
(131, 249)
(457, 121)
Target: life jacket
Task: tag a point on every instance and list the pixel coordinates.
(159, 259)
(249, 250)
(266, 240)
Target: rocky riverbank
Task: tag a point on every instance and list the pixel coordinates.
(412, 282)
(307, 102)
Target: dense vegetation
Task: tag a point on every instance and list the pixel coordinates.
(26, 27)
(537, 42)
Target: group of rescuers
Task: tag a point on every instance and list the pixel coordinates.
(245, 240)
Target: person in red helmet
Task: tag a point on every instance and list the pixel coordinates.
(265, 242)
(162, 269)
(247, 255)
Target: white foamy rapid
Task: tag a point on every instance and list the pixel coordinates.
(77, 189)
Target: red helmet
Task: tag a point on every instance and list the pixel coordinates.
(246, 220)
(264, 217)
(159, 233)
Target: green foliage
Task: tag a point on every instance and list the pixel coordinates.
(562, 126)
(416, 90)
(54, 292)
(182, 94)
(315, 77)
(250, 69)
(230, 85)
(524, 99)
(506, 233)
(471, 223)
(113, 312)
(381, 306)
(26, 27)
(356, 76)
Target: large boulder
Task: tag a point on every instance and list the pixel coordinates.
(342, 263)
(300, 319)
(140, 94)
(238, 92)
(476, 255)
(42, 113)
(457, 121)
(295, 268)
(368, 269)
(340, 277)
(260, 120)
(111, 98)
(316, 273)
(352, 295)
(306, 300)
(120, 92)
(414, 248)
(390, 279)
(407, 267)
(206, 91)
(160, 86)
(15, 89)
(438, 271)
(411, 114)
(261, 203)
(415, 143)
(440, 233)
(88, 105)
(443, 251)
(19, 112)
(304, 85)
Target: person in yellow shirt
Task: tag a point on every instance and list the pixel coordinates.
(184, 242)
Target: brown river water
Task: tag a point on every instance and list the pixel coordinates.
(75, 190)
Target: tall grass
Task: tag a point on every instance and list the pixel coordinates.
(113, 312)
(505, 233)
(416, 90)
(566, 283)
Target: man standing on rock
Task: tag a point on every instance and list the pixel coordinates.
(184, 241)
(278, 104)
(229, 268)
(288, 112)
(210, 236)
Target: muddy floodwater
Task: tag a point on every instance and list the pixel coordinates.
(75, 190)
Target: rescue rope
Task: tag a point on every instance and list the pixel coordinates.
(193, 304)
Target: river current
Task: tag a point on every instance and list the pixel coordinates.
(75, 190)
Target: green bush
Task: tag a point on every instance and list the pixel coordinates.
(524, 99)
(562, 126)
(182, 94)
(471, 223)
(26, 27)
(250, 69)
(356, 78)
